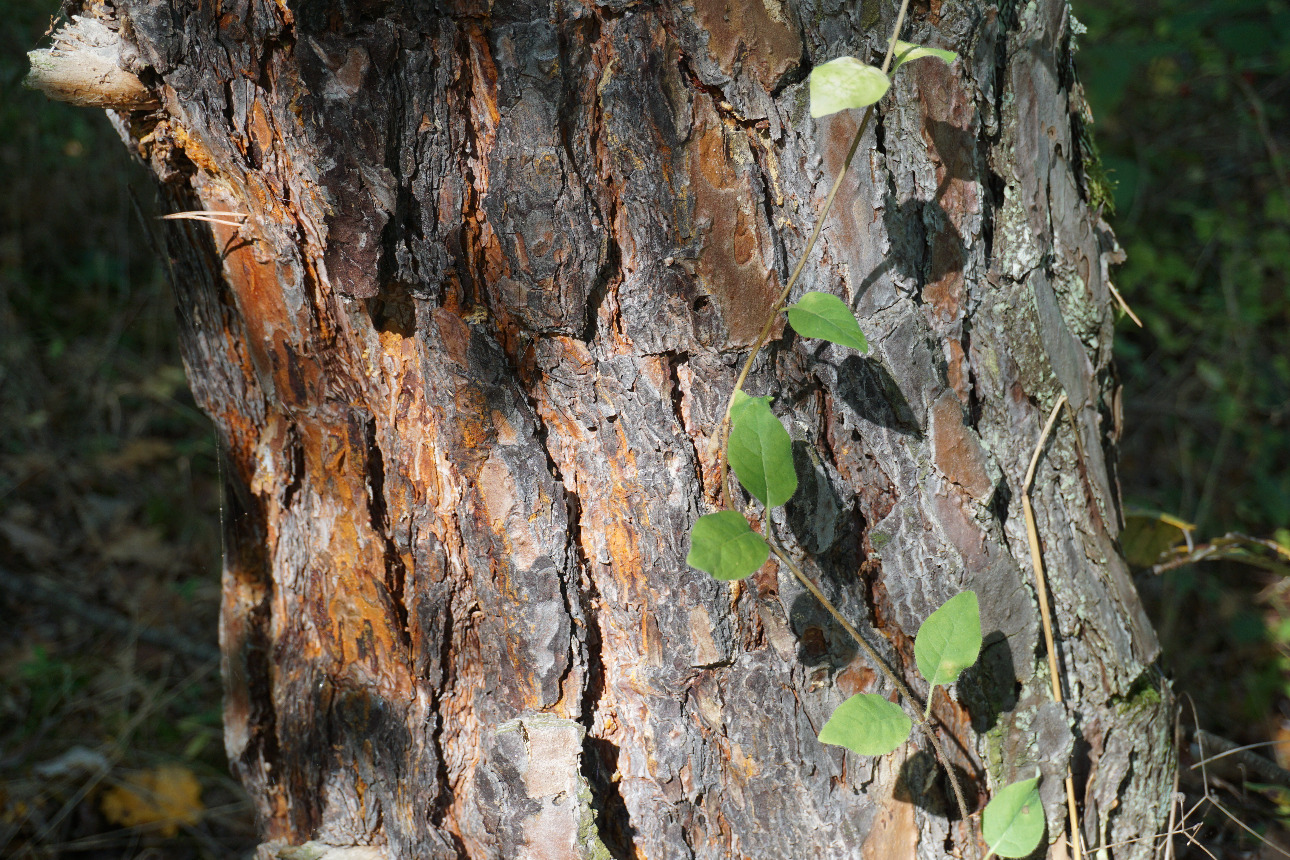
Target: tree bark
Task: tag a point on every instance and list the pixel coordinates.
(498, 268)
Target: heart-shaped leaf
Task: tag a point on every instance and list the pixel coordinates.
(1013, 822)
(845, 83)
(723, 545)
(760, 451)
(907, 53)
(867, 724)
(949, 640)
(827, 317)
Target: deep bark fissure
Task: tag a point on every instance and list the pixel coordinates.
(599, 755)
(782, 262)
(473, 263)
(444, 784)
(295, 458)
(395, 571)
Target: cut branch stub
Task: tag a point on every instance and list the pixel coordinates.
(83, 67)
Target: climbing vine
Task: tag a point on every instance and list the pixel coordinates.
(752, 442)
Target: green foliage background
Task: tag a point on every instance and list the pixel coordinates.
(108, 497)
(1190, 99)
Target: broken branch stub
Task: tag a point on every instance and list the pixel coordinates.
(83, 67)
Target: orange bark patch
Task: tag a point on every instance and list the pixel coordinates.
(957, 451)
(855, 678)
(198, 153)
(259, 129)
(894, 832)
(949, 132)
(756, 36)
(945, 292)
(734, 263)
(956, 371)
(280, 357)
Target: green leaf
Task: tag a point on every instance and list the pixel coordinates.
(949, 640)
(828, 318)
(740, 403)
(907, 53)
(760, 451)
(845, 83)
(723, 545)
(1013, 822)
(867, 724)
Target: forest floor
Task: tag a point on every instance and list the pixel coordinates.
(111, 743)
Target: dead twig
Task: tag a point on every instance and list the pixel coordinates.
(1041, 593)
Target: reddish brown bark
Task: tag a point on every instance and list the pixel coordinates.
(497, 270)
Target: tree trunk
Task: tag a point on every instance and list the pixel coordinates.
(499, 265)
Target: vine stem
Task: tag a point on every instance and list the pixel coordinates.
(896, 681)
(723, 432)
(723, 438)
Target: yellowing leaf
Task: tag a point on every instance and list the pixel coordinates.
(1148, 535)
(166, 798)
(845, 83)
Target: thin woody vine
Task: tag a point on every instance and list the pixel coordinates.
(753, 444)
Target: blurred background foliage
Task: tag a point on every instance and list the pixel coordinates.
(1191, 107)
(1190, 102)
(110, 739)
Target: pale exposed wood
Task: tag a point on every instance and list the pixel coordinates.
(83, 66)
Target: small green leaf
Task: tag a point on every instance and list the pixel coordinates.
(867, 724)
(949, 640)
(723, 545)
(845, 83)
(760, 451)
(907, 53)
(1013, 822)
(828, 318)
(741, 401)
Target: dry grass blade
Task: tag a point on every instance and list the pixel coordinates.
(228, 219)
(1041, 593)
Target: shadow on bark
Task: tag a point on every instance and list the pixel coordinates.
(821, 641)
(922, 782)
(613, 821)
(870, 391)
(989, 689)
(927, 247)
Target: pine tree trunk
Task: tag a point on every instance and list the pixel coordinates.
(499, 266)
